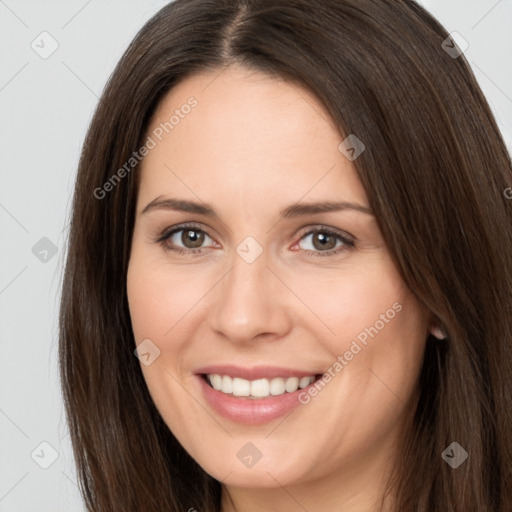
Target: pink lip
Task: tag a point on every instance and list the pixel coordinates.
(250, 411)
(258, 372)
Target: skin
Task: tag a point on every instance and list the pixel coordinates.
(252, 146)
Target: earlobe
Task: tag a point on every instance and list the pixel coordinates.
(438, 333)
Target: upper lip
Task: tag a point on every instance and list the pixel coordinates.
(254, 373)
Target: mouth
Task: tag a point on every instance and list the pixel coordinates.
(263, 388)
(253, 396)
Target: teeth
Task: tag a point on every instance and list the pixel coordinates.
(260, 388)
(305, 381)
(216, 382)
(226, 384)
(241, 387)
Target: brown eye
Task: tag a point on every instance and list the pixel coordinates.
(324, 242)
(185, 239)
(192, 238)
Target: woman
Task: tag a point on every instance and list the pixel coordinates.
(293, 214)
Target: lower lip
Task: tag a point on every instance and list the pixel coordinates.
(250, 411)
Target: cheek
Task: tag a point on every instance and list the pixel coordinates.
(352, 301)
(373, 328)
(161, 305)
(147, 311)
(159, 297)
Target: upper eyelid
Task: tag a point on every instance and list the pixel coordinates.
(166, 233)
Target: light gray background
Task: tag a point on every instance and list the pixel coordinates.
(45, 108)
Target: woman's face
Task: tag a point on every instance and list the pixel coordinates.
(234, 272)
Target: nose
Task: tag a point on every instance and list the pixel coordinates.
(250, 303)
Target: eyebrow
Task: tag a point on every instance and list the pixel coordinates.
(295, 210)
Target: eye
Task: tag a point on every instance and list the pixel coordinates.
(184, 239)
(189, 240)
(324, 241)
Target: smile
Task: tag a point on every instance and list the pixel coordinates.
(253, 396)
(260, 388)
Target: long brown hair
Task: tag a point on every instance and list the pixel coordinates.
(435, 170)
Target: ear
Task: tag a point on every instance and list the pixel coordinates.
(437, 332)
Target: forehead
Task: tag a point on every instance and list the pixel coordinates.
(255, 135)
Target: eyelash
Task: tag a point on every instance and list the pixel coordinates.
(163, 238)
